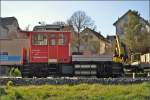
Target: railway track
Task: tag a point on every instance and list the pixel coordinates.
(72, 81)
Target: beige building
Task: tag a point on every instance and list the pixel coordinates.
(93, 42)
(12, 40)
(120, 24)
(9, 28)
(122, 21)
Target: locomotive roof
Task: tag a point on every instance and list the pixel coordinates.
(40, 31)
(48, 27)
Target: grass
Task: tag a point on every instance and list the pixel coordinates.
(77, 92)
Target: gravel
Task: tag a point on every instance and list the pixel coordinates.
(72, 81)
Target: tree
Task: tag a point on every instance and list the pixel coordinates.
(136, 35)
(27, 28)
(80, 20)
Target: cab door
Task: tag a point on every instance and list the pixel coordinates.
(63, 47)
(52, 48)
(38, 47)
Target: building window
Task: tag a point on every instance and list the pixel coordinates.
(91, 37)
(86, 39)
(61, 39)
(86, 33)
(39, 39)
(52, 39)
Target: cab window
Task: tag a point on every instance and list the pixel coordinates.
(39, 39)
(61, 39)
(52, 39)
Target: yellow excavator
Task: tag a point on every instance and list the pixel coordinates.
(120, 52)
(135, 65)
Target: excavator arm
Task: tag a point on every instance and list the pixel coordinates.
(120, 54)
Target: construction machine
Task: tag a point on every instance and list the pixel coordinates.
(139, 63)
(120, 54)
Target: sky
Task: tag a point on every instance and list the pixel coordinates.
(104, 13)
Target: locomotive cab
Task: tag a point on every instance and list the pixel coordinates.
(49, 47)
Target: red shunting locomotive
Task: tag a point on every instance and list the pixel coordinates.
(44, 54)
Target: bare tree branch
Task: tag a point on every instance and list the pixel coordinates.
(80, 21)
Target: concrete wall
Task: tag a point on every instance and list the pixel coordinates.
(3, 32)
(13, 47)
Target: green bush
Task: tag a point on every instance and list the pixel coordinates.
(15, 72)
(2, 91)
(9, 83)
(11, 71)
(18, 95)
